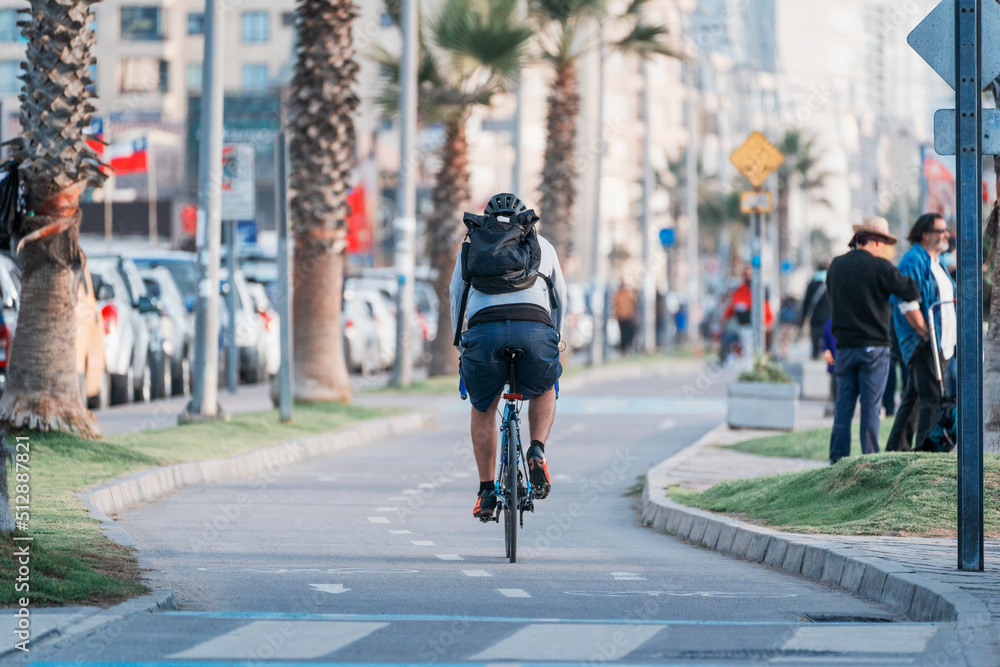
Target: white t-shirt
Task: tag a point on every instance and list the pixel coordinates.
(949, 322)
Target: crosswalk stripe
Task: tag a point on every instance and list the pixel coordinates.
(277, 640)
(543, 641)
(888, 638)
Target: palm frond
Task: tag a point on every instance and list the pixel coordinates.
(481, 35)
(566, 11)
(645, 40)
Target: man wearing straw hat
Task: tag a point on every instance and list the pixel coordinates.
(860, 284)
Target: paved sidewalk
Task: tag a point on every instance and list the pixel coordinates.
(905, 573)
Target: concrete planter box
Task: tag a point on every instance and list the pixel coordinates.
(812, 377)
(763, 405)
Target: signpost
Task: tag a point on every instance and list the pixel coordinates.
(757, 159)
(950, 39)
(239, 202)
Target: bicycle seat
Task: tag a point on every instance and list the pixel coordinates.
(511, 354)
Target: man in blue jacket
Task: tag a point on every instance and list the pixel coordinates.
(929, 237)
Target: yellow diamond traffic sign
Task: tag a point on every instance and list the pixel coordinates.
(757, 159)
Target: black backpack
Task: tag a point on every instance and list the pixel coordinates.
(499, 256)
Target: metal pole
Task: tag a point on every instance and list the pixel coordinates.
(232, 353)
(204, 398)
(969, 178)
(757, 286)
(406, 199)
(648, 279)
(597, 263)
(691, 208)
(109, 190)
(284, 282)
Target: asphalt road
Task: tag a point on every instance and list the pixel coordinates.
(372, 556)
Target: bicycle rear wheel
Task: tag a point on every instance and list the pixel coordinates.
(510, 502)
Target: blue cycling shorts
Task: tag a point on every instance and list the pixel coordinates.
(485, 374)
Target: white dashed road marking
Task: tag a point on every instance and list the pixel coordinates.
(386, 509)
(476, 573)
(514, 593)
(449, 556)
(378, 519)
(421, 543)
(401, 532)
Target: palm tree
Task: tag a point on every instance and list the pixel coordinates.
(991, 343)
(560, 24)
(801, 165)
(468, 53)
(56, 164)
(321, 125)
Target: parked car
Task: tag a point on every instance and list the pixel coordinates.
(183, 266)
(362, 346)
(272, 331)
(176, 324)
(95, 383)
(250, 334)
(10, 301)
(127, 333)
(579, 321)
(385, 322)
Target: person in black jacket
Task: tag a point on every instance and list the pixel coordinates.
(859, 284)
(816, 308)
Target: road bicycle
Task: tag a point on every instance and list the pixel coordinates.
(515, 495)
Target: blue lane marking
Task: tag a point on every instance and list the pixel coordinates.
(268, 663)
(292, 616)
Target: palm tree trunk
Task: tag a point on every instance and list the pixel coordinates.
(317, 303)
(784, 240)
(451, 193)
(558, 190)
(322, 147)
(991, 357)
(43, 391)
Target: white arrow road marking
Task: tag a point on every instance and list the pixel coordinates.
(476, 573)
(336, 589)
(514, 593)
(627, 576)
(378, 519)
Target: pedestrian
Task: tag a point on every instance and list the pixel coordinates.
(829, 345)
(929, 238)
(626, 310)
(859, 284)
(816, 308)
(740, 308)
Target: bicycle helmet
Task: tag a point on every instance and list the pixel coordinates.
(504, 204)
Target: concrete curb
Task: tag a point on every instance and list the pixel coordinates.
(895, 585)
(149, 485)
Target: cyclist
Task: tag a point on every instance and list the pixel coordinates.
(530, 319)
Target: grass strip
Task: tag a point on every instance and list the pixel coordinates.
(71, 561)
(814, 444)
(902, 494)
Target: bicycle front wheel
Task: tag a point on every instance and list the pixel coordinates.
(510, 504)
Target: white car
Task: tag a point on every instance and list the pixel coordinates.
(362, 346)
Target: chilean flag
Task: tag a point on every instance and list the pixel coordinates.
(127, 157)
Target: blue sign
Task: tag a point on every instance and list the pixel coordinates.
(668, 237)
(246, 232)
(787, 266)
